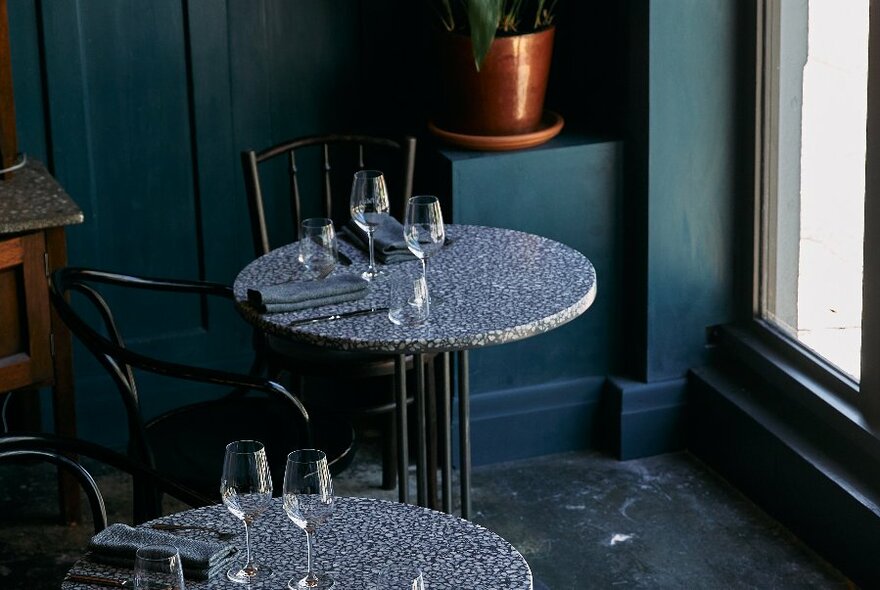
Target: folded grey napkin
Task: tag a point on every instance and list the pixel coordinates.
(118, 543)
(388, 242)
(296, 295)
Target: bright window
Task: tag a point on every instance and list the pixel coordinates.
(814, 92)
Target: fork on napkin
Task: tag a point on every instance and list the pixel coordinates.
(118, 543)
(297, 295)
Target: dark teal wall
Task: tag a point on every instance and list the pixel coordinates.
(141, 109)
(684, 159)
(689, 109)
(692, 164)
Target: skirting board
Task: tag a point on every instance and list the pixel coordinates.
(532, 421)
(646, 418)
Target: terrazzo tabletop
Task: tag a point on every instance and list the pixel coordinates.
(362, 536)
(497, 286)
(33, 200)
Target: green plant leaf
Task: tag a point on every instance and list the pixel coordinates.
(483, 17)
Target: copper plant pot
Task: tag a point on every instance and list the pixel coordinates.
(506, 97)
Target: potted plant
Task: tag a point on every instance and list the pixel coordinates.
(493, 59)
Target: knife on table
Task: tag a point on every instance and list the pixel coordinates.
(337, 316)
(101, 581)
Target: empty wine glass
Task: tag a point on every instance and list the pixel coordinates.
(318, 248)
(158, 567)
(424, 232)
(369, 202)
(246, 488)
(308, 501)
(399, 576)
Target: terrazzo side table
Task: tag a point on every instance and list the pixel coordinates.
(497, 286)
(361, 537)
(34, 342)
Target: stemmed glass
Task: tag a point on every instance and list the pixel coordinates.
(246, 488)
(369, 202)
(424, 232)
(308, 501)
(318, 247)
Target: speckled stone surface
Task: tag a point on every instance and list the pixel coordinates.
(497, 286)
(32, 200)
(361, 537)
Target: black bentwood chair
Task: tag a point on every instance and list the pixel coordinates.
(396, 158)
(34, 448)
(186, 444)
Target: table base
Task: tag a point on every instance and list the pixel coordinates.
(427, 442)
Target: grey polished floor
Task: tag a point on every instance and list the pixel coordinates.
(582, 520)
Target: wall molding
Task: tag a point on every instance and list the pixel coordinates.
(646, 418)
(524, 422)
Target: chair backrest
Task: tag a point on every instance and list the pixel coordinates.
(402, 152)
(109, 348)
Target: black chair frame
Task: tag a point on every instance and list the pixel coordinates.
(61, 452)
(120, 361)
(302, 360)
(251, 160)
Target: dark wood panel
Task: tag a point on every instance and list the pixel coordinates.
(126, 154)
(27, 360)
(12, 308)
(8, 142)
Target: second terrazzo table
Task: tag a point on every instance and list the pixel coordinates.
(360, 538)
(497, 286)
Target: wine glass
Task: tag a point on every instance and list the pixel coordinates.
(424, 232)
(398, 576)
(308, 501)
(246, 488)
(369, 202)
(158, 566)
(318, 248)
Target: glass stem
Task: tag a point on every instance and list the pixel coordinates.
(249, 567)
(425, 275)
(372, 268)
(311, 578)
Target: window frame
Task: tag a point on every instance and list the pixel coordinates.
(838, 392)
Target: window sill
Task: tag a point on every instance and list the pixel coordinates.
(768, 422)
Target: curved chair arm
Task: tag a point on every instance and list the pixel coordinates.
(65, 275)
(59, 444)
(96, 500)
(113, 354)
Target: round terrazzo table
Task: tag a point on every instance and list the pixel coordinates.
(497, 286)
(361, 537)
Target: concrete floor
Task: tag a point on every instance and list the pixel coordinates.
(582, 520)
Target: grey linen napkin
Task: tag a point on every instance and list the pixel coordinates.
(388, 242)
(296, 295)
(118, 543)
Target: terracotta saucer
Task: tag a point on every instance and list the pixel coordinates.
(551, 125)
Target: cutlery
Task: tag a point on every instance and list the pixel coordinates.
(222, 535)
(101, 581)
(337, 316)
